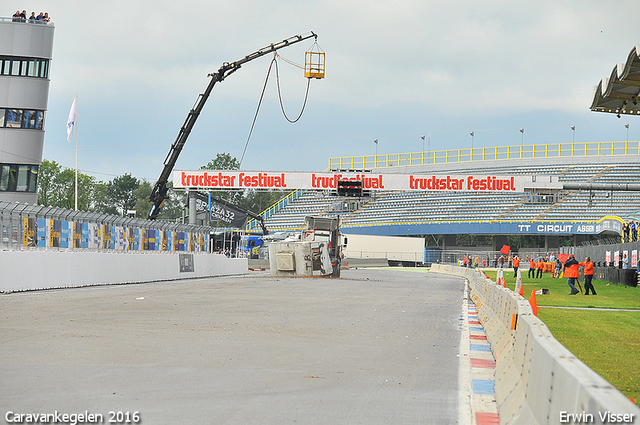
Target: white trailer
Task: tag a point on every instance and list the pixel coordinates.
(398, 250)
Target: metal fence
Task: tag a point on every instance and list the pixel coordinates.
(34, 227)
(553, 150)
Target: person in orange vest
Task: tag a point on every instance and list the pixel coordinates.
(571, 272)
(532, 267)
(516, 264)
(540, 266)
(588, 276)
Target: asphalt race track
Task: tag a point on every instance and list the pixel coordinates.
(374, 347)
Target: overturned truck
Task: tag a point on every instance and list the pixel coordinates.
(317, 253)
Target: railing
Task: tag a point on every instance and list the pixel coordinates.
(26, 21)
(589, 149)
(253, 224)
(34, 227)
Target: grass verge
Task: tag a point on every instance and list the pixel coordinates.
(606, 341)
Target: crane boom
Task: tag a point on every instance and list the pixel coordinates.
(159, 192)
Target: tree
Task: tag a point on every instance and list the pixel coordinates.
(224, 161)
(58, 188)
(102, 200)
(258, 201)
(46, 174)
(172, 209)
(121, 192)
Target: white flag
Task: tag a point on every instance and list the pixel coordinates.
(71, 122)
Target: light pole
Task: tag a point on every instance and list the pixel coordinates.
(627, 127)
(522, 141)
(422, 137)
(573, 128)
(376, 142)
(472, 136)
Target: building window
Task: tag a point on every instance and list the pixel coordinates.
(19, 118)
(14, 118)
(18, 178)
(24, 67)
(33, 178)
(23, 178)
(15, 67)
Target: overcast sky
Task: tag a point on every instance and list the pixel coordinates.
(394, 71)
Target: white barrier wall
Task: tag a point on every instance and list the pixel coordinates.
(538, 381)
(28, 270)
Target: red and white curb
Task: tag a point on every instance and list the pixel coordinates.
(477, 371)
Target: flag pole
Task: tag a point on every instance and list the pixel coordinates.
(76, 129)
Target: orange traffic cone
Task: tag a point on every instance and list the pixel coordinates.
(534, 305)
(504, 283)
(521, 291)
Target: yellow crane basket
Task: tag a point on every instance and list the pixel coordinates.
(314, 62)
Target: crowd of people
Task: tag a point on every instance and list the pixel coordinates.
(22, 17)
(630, 231)
(507, 261)
(570, 267)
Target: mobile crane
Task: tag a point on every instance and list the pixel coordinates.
(159, 192)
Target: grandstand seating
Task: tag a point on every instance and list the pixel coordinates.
(420, 207)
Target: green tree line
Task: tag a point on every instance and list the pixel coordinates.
(56, 188)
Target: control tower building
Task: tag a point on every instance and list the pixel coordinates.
(25, 59)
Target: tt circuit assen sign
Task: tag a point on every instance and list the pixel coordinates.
(209, 179)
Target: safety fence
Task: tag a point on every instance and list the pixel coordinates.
(592, 149)
(609, 260)
(537, 380)
(34, 227)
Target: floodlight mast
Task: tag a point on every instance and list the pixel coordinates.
(159, 192)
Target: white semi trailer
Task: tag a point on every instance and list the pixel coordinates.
(398, 250)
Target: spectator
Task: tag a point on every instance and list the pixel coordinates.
(532, 267)
(556, 273)
(23, 16)
(46, 17)
(625, 261)
(571, 272)
(588, 276)
(552, 258)
(501, 261)
(32, 18)
(516, 264)
(633, 227)
(16, 16)
(540, 266)
(625, 233)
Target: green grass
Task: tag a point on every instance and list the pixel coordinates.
(609, 296)
(606, 341)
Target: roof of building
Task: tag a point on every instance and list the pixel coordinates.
(619, 93)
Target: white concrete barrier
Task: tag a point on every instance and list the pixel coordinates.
(537, 380)
(29, 270)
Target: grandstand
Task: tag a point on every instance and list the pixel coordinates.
(423, 213)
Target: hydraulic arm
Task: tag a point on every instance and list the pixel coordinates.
(159, 192)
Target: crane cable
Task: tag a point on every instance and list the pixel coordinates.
(255, 117)
(306, 96)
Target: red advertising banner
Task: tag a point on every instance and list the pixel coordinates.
(213, 179)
